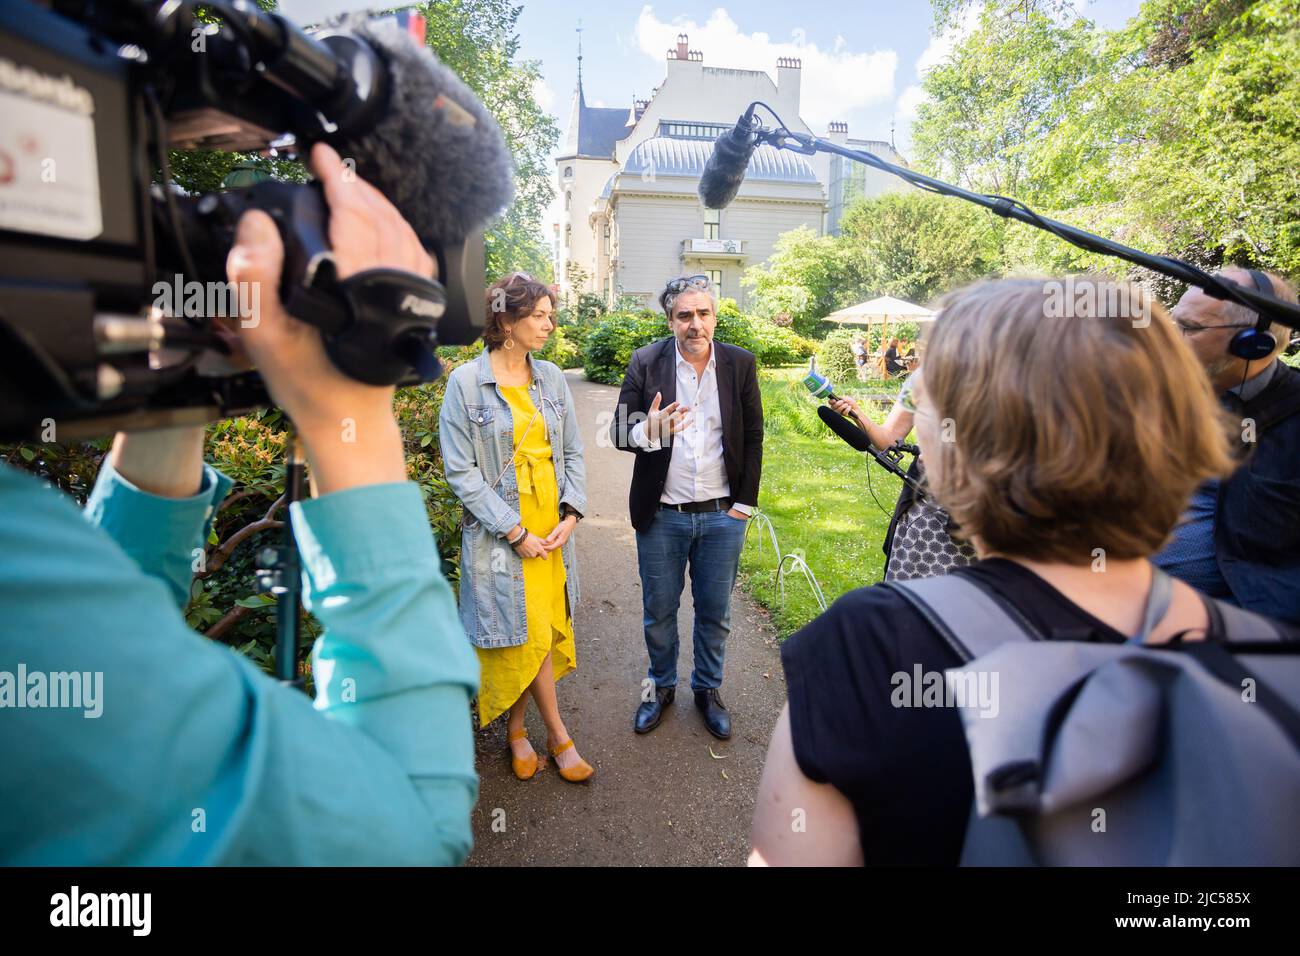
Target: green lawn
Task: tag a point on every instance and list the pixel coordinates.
(816, 495)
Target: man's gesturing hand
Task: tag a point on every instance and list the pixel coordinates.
(662, 422)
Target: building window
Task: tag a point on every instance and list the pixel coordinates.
(568, 199)
(568, 172)
(715, 276)
(606, 243)
(712, 223)
(692, 130)
(568, 236)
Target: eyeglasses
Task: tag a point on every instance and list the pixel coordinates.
(518, 277)
(683, 283)
(1189, 329)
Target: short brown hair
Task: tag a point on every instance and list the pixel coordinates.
(1069, 433)
(509, 299)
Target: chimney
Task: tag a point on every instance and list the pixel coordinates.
(788, 73)
(837, 132)
(684, 54)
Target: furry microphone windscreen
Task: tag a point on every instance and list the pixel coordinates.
(725, 170)
(436, 152)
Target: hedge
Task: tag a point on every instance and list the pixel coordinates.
(611, 342)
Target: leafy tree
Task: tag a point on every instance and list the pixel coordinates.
(1002, 88)
(917, 245)
(1177, 133)
(801, 277)
(479, 39)
(1188, 137)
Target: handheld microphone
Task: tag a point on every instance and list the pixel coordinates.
(818, 384)
(725, 170)
(855, 437)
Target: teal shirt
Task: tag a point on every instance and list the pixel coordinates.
(195, 756)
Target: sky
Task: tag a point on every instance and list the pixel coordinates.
(862, 61)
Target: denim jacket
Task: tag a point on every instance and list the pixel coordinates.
(476, 430)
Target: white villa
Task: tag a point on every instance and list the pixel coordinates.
(632, 218)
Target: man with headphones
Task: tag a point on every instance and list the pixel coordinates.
(1240, 538)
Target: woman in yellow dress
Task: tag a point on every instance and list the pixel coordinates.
(512, 453)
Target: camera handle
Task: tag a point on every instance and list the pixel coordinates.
(279, 572)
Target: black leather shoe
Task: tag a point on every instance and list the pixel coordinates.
(651, 712)
(716, 718)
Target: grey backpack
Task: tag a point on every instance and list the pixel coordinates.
(1095, 754)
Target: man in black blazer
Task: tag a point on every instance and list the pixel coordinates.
(691, 412)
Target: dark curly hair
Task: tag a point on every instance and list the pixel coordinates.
(509, 299)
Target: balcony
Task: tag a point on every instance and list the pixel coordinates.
(714, 249)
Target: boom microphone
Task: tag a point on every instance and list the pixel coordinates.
(725, 170)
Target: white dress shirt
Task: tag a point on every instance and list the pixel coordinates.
(696, 471)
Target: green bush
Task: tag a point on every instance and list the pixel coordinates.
(70, 467)
(835, 357)
(611, 342)
(564, 347)
(775, 345)
(736, 329)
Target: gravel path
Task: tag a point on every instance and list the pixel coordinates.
(674, 797)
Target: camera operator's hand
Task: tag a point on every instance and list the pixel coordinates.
(348, 429)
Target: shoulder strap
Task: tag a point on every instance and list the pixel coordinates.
(1216, 659)
(1236, 625)
(953, 604)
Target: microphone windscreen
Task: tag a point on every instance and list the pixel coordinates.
(725, 170)
(436, 152)
(846, 429)
(818, 384)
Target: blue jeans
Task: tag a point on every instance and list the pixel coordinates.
(710, 542)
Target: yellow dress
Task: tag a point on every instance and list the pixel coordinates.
(507, 671)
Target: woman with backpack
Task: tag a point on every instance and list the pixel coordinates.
(1066, 449)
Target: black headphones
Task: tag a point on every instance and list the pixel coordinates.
(1256, 342)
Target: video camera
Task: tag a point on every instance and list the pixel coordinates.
(94, 235)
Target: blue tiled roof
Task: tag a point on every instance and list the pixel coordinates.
(600, 130)
(686, 157)
(593, 130)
